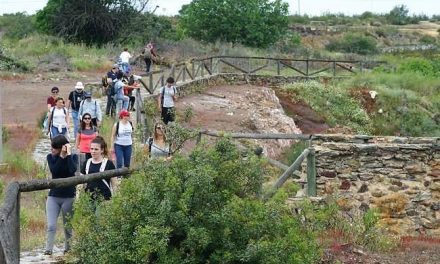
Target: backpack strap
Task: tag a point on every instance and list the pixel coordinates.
(101, 169)
(88, 165)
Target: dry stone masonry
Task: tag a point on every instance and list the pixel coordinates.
(399, 176)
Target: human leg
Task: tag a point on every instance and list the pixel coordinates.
(127, 155)
(119, 104)
(125, 101)
(108, 107)
(148, 64)
(53, 208)
(119, 155)
(67, 211)
(75, 122)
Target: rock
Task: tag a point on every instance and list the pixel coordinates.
(328, 174)
(412, 212)
(415, 168)
(435, 206)
(394, 188)
(345, 185)
(377, 193)
(434, 173)
(366, 176)
(422, 197)
(396, 183)
(435, 187)
(364, 207)
(363, 189)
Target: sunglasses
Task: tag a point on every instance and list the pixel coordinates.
(54, 92)
(87, 118)
(159, 127)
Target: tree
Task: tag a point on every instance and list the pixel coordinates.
(91, 22)
(398, 15)
(256, 23)
(204, 208)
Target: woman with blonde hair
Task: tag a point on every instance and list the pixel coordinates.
(158, 146)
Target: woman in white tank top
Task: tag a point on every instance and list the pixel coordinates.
(58, 119)
(121, 140)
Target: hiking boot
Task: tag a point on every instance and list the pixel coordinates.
(47, 253)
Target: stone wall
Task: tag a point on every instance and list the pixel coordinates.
(399, 176)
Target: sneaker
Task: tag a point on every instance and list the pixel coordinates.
(47, 253)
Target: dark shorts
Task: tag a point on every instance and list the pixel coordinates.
(168, 114)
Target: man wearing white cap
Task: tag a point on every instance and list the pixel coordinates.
(74, 102)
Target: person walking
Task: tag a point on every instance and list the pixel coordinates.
(158, 146)
(122, 100)
(122, 139)
(125, 60)
(84, 137)
(149, 55)
(166, 100)
(62, 164)
(91, 106)
(75, 98)
(58, 119)
(111, 79)
(99, 162)
(51, 102)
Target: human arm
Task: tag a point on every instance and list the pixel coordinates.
(67, 118)
(69, 101)
(98, 114)
(49, 121)
(159, 100)
(77, 140)
(112, 137)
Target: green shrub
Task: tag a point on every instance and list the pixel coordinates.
(354, 43)
(200, 209)
(417, 65)
(334, 104)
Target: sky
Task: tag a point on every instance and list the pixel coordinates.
(310, 7)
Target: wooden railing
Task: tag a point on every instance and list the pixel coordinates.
(203, 67)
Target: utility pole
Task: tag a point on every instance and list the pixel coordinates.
(1, 128)
(299, 7)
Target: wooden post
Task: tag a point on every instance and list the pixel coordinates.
(278, 67)
(311, 173)
(307, 68)
(199, 138)
(173, 69)
(184, 72)
(150, 82)
(283, 178)
(193, 69)
(10, 226)
(203, 68)
(211, 65)
(334, 68)
(361, 66)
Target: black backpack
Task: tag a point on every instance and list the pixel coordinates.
(117, 127)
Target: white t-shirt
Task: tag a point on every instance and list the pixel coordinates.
(168, 93)
(59, 117)
(123, 135)
(125, 57)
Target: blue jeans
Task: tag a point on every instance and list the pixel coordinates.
(125, 67)
(54, 132)
(123, 155)
(122, 104)
(75, 123)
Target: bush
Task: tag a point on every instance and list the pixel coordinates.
(354, 43)
(334, 104)
(417, 65)
(200, 209)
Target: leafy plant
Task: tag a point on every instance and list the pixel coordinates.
(354, 43)
(204, 208)
(256, 23)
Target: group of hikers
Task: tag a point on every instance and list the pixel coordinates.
(90, 151)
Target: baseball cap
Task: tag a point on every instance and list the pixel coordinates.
(79, 85)
(87, 95)
(123, 113)
(115, 65)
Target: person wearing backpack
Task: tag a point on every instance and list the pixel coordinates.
(58, 119)
(99, 162)
(166, 100)
(149, 55)
(50, 103)
(91, 106)
(122, 139)
(110, 91)
(158, 147)
(74, 102)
